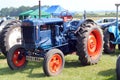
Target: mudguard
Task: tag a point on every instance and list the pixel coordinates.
(112, 29)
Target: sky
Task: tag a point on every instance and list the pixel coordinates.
(72, 5)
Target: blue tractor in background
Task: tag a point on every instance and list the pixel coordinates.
(116, 40)
(51, 39)
(112, 34)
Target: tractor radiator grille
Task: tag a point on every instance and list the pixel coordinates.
(28, 34)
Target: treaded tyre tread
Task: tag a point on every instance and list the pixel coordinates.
(53, 63)
(108, 46)
(16, 57)
(85, 30)
(6, 32)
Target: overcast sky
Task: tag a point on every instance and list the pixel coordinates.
(75, 5)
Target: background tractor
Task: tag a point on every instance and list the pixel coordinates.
(118, 41)
(10, 34)
(51, 39)
(112, 34)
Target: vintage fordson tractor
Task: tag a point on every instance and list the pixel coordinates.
(51, 39)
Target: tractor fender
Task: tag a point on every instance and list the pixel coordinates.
(112, 29)
(82, 22)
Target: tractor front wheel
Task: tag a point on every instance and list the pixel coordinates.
(53, 62)
(108, 46)
(89, 43)
(16, 57)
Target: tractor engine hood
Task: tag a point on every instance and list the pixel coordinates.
(42, 21)
(33, 35)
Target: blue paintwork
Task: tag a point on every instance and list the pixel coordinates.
(112, 29)
(38, 22)
(57, 35)
(45, 39)
(40, 38)
(115, 31)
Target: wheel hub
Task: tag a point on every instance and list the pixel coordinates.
(55, 63)
(18, 58)
(92, 43)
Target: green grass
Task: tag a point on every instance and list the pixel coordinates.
(104, 70)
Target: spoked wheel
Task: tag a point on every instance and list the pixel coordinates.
(65, 15)
(108, 46)
(89, 43)
(53, 62)
(16, 57)
(118, 68)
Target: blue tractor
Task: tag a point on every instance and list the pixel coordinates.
(111, 37)
(51, 39)
(118, 59)
(116, 40)
(112, 34)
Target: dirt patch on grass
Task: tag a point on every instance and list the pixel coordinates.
(4, 61)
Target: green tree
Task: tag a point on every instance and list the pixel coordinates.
(16, 11)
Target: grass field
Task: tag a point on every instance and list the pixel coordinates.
(104, 70)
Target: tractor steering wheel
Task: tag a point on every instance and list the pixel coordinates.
(67, 15)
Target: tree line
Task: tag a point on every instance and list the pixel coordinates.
(16, 11)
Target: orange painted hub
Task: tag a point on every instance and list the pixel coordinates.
(18, 58)
(94, 44)
(55, 63)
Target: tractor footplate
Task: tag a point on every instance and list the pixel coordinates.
(31, 58)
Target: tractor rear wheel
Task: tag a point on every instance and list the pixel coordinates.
(4, 23)
(118, 68)
(89, 43)
(10, 35)
(108, 46)
(53, 63)
(16, 57)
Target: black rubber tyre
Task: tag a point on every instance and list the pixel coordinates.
(53, 63)
(89, 43)
(119, 46)
(108, 46)
(118, 68)
(4, 23)
(10, 35)
(16, 57)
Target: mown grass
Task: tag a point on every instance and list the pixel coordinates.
(104, 70)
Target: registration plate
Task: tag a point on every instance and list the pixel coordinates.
(31, 58)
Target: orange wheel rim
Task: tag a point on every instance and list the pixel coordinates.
(55, 63)
(18, 58)
(94, 44)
